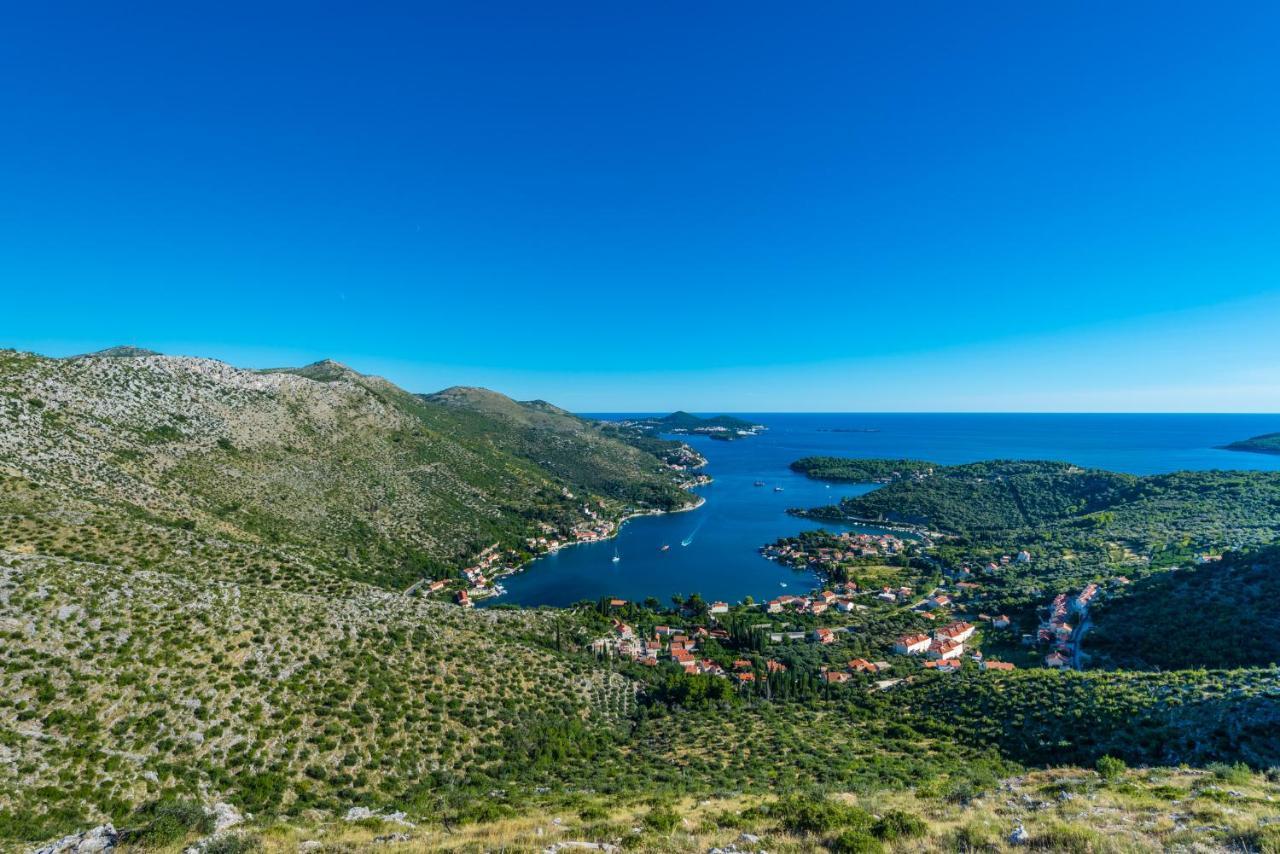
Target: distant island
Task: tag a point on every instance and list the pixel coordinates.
(1267, 443)
(726, 428)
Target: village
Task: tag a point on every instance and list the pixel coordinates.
(825, 552)
(1064, 626)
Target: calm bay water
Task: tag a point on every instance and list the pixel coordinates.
(721, 559)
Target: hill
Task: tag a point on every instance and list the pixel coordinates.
(1218, 614)
(300, 476)
(202, 575)
(1075, 525)
(1267, 443)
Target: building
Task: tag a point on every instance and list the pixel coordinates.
(996, 665)
(945, 650)
(718, 608)
(824, 636)
(911, 645)
(959, 632)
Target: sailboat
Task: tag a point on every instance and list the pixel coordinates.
(665, 546)
(616, 556)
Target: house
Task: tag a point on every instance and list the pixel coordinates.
(464, 600)
(775, 666)
(434, 586)
(827, 596)
(718, 608)
(617, 603)
(996, 665)
(861, 665)
(742, 664)
(681, 656)
(623, 629)
(1001, 622)
(819, 607)
(880, 666)
(845, 606)
(939, 600)
(1056, 659)
(945, 650)
(835, 677)
(911, 644)
(1024, 556)
(824, 636)
(943, 665)
(959, 632)
(774, 606)
(887, 596)
(744, 678)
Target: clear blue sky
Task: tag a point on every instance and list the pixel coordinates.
(621, 206)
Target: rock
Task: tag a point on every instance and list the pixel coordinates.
(392, 837)
(100, 839)
(310, 845)
(225, 816)
(749, 839)
(1019, 835)
(359, 814)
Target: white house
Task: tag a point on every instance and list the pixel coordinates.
(911, 645)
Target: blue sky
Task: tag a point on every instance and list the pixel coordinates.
(729, 206)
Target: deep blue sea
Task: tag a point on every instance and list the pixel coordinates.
(720, 560)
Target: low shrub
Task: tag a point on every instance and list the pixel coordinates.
(855, 842)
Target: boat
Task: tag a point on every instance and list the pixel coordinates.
(664, 547)
(759, 483)
(777, 489)
(616, 556)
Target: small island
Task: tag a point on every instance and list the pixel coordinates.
(1267, 443)
(725, 428)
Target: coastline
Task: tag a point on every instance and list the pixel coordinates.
(701, 500)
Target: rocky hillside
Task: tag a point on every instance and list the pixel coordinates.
(291, 477)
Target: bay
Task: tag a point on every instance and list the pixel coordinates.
(713, 550)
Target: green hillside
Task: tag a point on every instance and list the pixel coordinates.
(1219, 614)
(306, 476)
(202, 599)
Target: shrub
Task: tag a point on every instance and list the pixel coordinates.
(168, 821)
(819, 815)
(856, 842)
(662, 819)
(896, 824)
(593, 812)
(1109, 767)
(1238, 773)
(232, 845)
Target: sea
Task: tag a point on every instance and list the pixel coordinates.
(714, 550)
